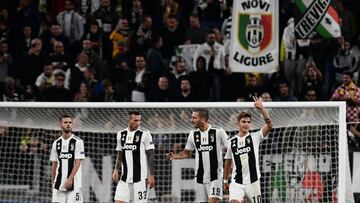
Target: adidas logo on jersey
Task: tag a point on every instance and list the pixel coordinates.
(205, 148)
(65, 156)
(130, 147)
(242, 150)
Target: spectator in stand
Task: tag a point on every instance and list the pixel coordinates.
(312, 79)
(155, 63)
(119, 37)
(95, 61)
(210, 11)
(56, 93)
(108, 94)
(71, 22)
(59, 59)
(23, 44)
(95, 36)
(30, 65)
(121, 77)
(162, 93)
(201, 80)
(88, 7)
(284, 94)
(75, 74)
(185, 94)
(4, 71)
(344, 60)
(195, 34)
(252, 89)
(4, 30)
(170, 8)
(45, 79)
(134, 15)
(179, 71)
(145, 34)
(56, 34)
(173, 36)
(266, 97)
(107, 18)
(11, 92)
(310, 95)
(83, 95)
(349, 93)
(138, 80)
(26, 14)
(214, 54)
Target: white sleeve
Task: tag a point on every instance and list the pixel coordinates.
(148, 141)
(53, 153)
(257, 136)
(118, 140)
(224, 137)
(190, 142)
(228, 154)
(79, 150)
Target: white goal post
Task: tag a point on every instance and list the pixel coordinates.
(306, 137)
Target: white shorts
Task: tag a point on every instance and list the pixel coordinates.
(205, 191)
(251, 191)
(131, 191)
(74, 196)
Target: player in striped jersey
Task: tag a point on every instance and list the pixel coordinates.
(243, 155)
(208, 142)
(66, 155)
(135, 158)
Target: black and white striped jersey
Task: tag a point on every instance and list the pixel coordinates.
(65, 152)
(209, 153)
(134, 144)
(244, 152)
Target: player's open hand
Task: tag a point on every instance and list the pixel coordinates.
(257, 102)
(69, 183)
(115, 175)
(151, 181)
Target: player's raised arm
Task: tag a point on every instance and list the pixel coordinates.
(268, 124)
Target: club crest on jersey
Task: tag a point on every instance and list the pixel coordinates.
(254, 31)
(137, 138)
(72, 147)
(212, 138)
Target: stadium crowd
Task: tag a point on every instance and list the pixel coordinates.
(128, 50)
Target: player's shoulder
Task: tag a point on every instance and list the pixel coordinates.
(57, 139)
(122, 131)
(232, 138)
(77, 138)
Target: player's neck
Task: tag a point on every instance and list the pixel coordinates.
(204, 127)
(242, 134)
(66, 135)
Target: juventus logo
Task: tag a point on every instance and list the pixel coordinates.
(72, 147)
(137, 138)
(212, 138)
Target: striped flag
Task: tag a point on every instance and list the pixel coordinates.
(317, 16)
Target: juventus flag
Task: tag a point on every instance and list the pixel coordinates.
(316, 17)
(254, 36)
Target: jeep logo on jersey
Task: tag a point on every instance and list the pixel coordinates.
(205, 148)
(254, 32)
(130, 147)
(242, 150)
(65, 156)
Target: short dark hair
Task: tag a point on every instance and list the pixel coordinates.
(243, 115)
(65, 116)
(203, 113)
(136, 113)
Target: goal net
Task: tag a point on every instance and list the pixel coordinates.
(304, 158)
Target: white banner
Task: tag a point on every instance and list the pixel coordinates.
(255, 36)
(187, 51)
